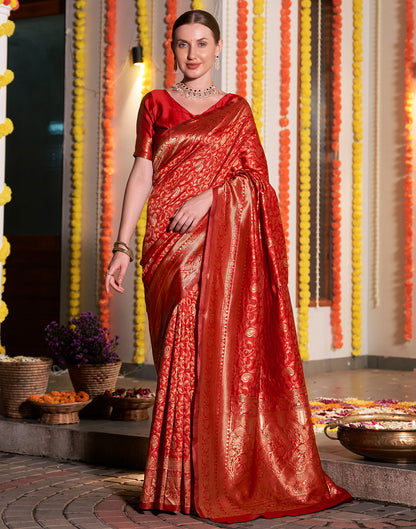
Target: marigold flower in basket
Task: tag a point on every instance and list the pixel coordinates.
(61, 397)
(83, 340)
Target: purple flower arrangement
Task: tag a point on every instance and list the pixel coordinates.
(83, 340)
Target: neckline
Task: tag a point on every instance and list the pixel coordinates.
(190, 113)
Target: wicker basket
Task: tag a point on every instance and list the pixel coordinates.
(62, 413)
(129, 408)
(19, 380)
(95, 379)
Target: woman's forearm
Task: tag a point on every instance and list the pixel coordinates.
(137, 190)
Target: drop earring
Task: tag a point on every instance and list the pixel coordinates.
(217, 63)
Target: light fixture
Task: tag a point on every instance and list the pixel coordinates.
(137, 55)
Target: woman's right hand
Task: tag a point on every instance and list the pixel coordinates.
(116, 272)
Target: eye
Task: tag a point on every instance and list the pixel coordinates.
(202, 44)
(181, 45)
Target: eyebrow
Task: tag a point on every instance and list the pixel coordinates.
(198, 40)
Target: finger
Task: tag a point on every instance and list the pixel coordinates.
(185, 228)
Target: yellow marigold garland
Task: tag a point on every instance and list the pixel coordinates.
(6, 127)
(304, 172)
(7, 28)
(4, 254)
(197, 4)
(357, 176)
(140, 303)
(78, 104)
(258, 63)
(6, 78)
(5, 195)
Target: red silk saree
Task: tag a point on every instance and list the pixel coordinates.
(231, 436)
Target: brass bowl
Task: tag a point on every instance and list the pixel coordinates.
(395, 446)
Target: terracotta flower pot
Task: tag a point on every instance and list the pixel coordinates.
(95, 379)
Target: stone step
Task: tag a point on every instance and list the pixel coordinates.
(124, 444)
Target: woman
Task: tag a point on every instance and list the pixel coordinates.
(231, 434)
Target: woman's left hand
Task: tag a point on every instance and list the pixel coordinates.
(191, 212)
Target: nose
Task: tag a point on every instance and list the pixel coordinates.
(191, 51)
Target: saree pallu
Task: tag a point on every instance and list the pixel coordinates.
(232, 437)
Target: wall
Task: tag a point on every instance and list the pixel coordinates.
(381, 326)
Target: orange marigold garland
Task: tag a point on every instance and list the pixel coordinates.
(242, 50)
(284, 134)
(336, 323)
(408, 178)
(108, 158)
(169, 57)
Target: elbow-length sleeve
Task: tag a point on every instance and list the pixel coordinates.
(145, 129)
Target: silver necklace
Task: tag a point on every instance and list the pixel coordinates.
(198, 93)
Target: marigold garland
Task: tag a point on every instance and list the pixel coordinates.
(258, 63)
(242, 47)
(78, 103)
(336, 322)
(4, 254)
(108, 154)
(5, 195)
(6, 78)
(284, 134)
(169, 57)
(304, 176)
(13, 4)
(357, 176)
(7, 28)
(408, 177)
(140, 303)
(6, 128)
(197, 4)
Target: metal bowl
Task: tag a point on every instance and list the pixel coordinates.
(396, 446)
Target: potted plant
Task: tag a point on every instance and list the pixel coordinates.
(85, 348)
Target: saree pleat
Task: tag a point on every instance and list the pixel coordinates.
(231, 436)
(168, 483)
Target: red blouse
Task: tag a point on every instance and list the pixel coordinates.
(159, 112)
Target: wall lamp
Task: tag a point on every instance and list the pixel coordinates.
(137, 55)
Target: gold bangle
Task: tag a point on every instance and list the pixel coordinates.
(118, 243)
(121, 249)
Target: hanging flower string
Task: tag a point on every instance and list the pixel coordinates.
(197, 4)
(284, 134)
(336, 323)
(78, 104)
(242, 51)
(169, 58)
(4, 254)
(6, 29)
(258, 63)
(305, 182)
(408, 177)
(108, 155)
(357, 177)
(140, 304)
(14, 4)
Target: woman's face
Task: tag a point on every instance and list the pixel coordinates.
(195, 49)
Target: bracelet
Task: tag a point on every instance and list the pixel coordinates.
(122, 247)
